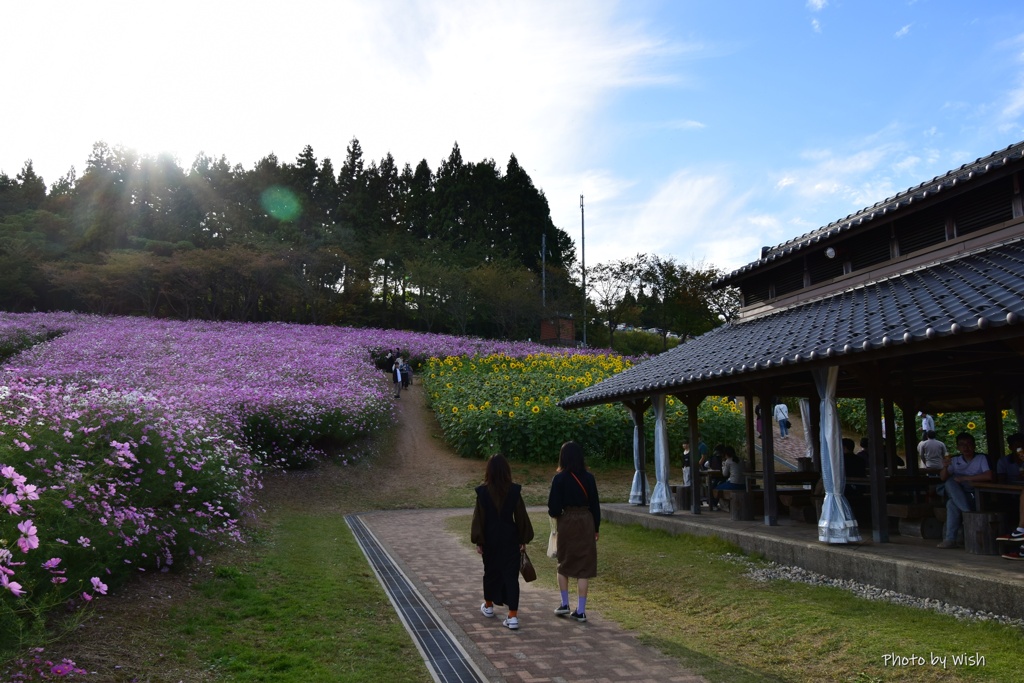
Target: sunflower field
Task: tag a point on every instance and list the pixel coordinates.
(853, 416)
(508, 404)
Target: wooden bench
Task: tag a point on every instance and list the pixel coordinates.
(743, 505)
(800, 504)
(980, 531)
(915, 519)
(680, 496)
(984, 489)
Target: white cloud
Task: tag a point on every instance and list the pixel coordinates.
(245, 79)
(816, 5)
(907, 164)
(903, 31)
(685, 124)
(816, 25)
(692, 216)
(833, 175)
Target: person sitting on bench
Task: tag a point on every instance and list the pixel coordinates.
(733, 475)
(957, 475)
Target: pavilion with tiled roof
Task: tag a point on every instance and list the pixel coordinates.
(916, 301)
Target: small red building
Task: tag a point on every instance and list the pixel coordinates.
(558, 330)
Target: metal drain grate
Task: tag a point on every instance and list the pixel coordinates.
(447, 660)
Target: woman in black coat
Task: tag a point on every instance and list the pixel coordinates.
(501, 529)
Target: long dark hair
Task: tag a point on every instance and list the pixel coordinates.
(498, 478)
(570, 458)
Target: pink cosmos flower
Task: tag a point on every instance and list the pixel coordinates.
(10, 501)
(28, 491)
(99, 586)
(30, 540)
(12, 586)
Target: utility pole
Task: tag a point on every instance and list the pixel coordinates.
(543, 271)
(583, 261)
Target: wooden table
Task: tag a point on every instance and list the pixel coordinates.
(918, 485)
(987, 487)
(785, 478)
(705, 481)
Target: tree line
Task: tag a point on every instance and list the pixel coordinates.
(457, 249)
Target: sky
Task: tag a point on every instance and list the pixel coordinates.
(694, 129)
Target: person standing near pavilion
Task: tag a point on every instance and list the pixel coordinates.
(932, 451)
(927, 424)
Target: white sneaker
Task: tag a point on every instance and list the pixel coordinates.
(485, 610)
(512, 623)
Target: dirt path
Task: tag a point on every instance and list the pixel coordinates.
(420, 457)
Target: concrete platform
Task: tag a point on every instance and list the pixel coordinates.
(913, 566)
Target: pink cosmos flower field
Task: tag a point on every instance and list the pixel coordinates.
(132, 444)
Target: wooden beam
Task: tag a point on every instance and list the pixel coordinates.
(771, 503)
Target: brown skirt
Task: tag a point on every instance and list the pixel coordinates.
(577, 548)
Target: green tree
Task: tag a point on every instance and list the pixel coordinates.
(610, 284)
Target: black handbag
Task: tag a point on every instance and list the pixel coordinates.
(526, 568)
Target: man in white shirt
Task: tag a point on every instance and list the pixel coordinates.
(957, 475)
(927, 424)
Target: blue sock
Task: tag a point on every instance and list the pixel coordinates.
(565, 597)
(582, 607)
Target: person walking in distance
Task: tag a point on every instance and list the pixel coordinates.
(781, 414)
(396, 377)
(573, 502)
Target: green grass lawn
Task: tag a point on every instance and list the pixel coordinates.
(688, 597)
(306, 607)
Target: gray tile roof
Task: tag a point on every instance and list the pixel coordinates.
(885, 208)
(972, 293)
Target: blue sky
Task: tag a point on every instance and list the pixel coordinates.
(699, 130)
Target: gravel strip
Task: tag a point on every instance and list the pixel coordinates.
(772, 571)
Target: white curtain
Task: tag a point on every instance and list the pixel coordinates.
(661, 500)
(640, 479)
(805, 417)
(837, 524)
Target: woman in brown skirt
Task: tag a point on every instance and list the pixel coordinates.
(574, 503)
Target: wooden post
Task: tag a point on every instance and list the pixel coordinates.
(890, 434)
(748, 410)
(993, 430)
(771, 504)
(879, 512)
(816, 429)
(691, 415)
(910, 438)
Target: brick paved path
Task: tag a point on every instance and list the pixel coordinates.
(546, 647)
